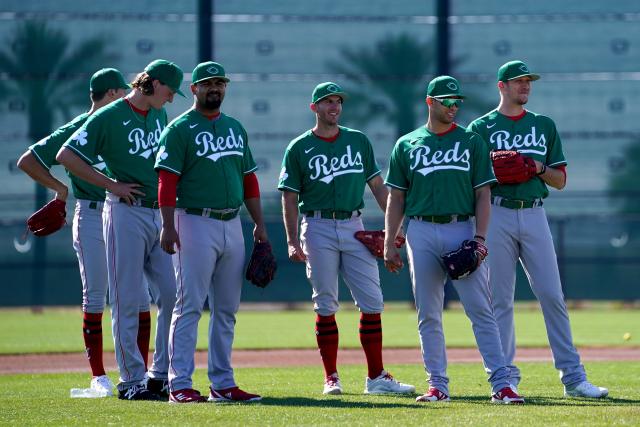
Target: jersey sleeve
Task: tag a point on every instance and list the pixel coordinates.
(555, 155)
(371, 168)
(45, 152)
(291, 174)
(397, 175)
(248, 163)
(87, 141)
(172, 151)
(481, 169)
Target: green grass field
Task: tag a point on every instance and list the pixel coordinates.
(292, 396)
(58, 330)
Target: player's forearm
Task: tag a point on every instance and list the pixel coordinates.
(290, 215)
(483, 210)
(82, 169)
(30, 165)
(554, 177)
(379, 191)
(393, 214)
(166, 212)
(254, 208)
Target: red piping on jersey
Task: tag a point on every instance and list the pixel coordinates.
(329, 139)
(136, 109)
(251, 186)
(167, 188)
(518, 117)
(451, 129)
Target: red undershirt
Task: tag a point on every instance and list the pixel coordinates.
(136, 109)
(329, 139)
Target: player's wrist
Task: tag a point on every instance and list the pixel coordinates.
(543, 169)
(480, 238)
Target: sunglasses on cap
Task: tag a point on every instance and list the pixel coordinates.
(450, 102)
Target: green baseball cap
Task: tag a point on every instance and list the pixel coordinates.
(167, 72)
(444, 87)
(513, 70)
(107, 78)
(208, 70)
(327, 89)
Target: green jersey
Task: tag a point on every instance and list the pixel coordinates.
(440, 172)
(45, 152)
(532, 135)
(211, 157)
(126, 140)
(328, 175)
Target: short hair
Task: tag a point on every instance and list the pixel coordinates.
(99, 95)
(143, 82)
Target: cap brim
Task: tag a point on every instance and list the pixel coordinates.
(342, 95)
(212, 77)
(179, 92)
(533, 77)
(451, 95)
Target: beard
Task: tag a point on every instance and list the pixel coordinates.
(210, 102)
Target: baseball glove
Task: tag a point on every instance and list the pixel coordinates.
(511, 167)
(262, 265)
(464, 260)
(374, 241)
(48, 219)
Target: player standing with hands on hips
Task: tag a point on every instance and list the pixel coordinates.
(439, 176)
(204, 159)
(126, 134)
(519, 227)
(106, 85)
(324, 172)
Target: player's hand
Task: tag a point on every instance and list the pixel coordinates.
(296, 253)
(169, 240)
(392, 260)
(62, 193)
(260, 233)
(125, 190)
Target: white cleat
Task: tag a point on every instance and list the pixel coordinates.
(386, 384)
(102, 385)
(332, 384)
(586, 389)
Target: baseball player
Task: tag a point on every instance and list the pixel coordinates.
(106, 86)
(439, 176)
(324, 172)
(519, 228)
(126, 134)
(199, 150)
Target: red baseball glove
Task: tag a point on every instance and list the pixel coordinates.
(48, 219)
(511, 167)
(374, 241)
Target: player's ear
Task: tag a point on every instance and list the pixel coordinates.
(501, 85)
(193, 89)
(313, 107)
(429, 101)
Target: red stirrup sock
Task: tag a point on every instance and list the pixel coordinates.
(371, 340)
(144, 335)
(92, 334)
(327, 337)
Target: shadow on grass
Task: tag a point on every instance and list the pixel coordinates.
(553, 401)
(339, 402)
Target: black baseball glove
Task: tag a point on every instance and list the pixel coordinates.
(464, 260)
(262, 265)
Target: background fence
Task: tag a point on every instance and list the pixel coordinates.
(382, 52)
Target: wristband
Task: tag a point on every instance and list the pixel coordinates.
(543, 170)
(477, 236)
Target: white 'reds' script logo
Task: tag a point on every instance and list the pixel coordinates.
(145, 146)
(325, 169)
(530, 143)
(427, 162)
(213, 147)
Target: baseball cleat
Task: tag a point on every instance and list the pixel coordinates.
(332, 384)
(386, 384)
(586, 389)
(433, 395)
(137, 392)
(233, 394)
(186, 395)
(508, 397)
(102, 385)
(158, 387)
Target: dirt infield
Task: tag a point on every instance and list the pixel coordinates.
(76, 362)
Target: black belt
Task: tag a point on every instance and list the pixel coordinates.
(223, 215)
(515, 204)
(142, 203)
(441, 219)
(332, 214)
(95, 205)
